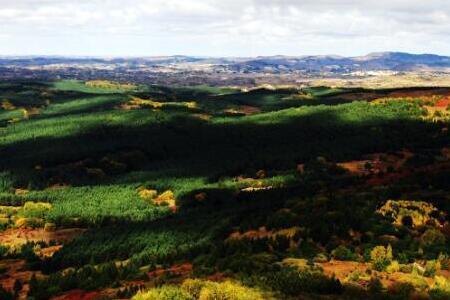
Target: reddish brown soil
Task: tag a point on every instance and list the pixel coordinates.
(106, 293)
(16, 270)
(134, 283)
(387, 178)
(405, 173)
(356, 167)
(443, 103)
(79, 295)
(380, 163)
(420, 93)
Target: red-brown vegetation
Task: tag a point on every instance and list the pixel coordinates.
(179, 270)
(19, 236)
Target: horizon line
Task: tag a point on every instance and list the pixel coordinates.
(81, 56)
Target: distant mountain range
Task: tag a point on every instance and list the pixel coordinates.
(392, 61)
(382, 61)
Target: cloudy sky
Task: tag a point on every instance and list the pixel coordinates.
(223, 27)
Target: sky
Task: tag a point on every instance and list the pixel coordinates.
(223, 27)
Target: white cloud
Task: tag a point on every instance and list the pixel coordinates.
(231, 27)
(9, 13)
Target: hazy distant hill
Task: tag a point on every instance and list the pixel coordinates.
(390, 61)
(393, 61)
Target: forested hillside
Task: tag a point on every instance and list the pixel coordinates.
(116, 191)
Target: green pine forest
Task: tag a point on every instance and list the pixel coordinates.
(221, 193)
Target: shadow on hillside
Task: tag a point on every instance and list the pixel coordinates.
(198, 148)
(185, 147)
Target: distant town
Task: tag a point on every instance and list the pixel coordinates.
(406, 69)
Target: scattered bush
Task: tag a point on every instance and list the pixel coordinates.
(355, 276)
(321, 258)
(409, 213)
(228, 291)
(147, 194)
(5, 295)
(431, 268)
(401, 291)
(432, 237)
(406, 268)
(163, 293)
(444, 261)
(21, 222)
(292, 282)
(6, 182)
(202, 290)
(381, 257)
(35, 209)
(3, 250)
(106, 84)
(194, 286)
(375, 287)
(166, 198)
(393, 267)
(440, 289)
(343, 253)
(417, 269)
(17, 287)
(414, 280)
(282, 219)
